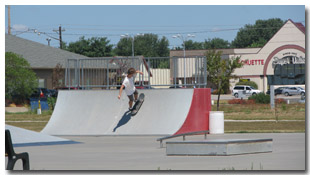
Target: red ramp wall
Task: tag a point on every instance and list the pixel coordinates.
(198, 116)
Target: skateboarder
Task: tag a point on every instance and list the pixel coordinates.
(130, 88)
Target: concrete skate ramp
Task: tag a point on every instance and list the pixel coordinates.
(100, 112)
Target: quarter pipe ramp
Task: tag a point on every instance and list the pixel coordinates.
(100, 112)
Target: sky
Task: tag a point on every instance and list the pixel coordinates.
(111, 21)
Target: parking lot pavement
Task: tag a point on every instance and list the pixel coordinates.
(229, 97)
(223, 97)
(144, 153)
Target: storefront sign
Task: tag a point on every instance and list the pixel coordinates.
(253, 62)
(288, 58)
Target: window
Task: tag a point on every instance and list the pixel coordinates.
(247, 88)
(41, 83)
(239, 88)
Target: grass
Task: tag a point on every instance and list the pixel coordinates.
(28, 116)
(262, 111)
(231, 112)
(34, 126)
(22, 120)
(265, 127)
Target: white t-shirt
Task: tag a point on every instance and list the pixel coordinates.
(129, 85)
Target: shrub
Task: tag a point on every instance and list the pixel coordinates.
(251, 101)
(51, 101)
(236, 101)
(20, 80)
(260, 98)
(280, 101)
(248, 83)
(241, 101)
(215, 92)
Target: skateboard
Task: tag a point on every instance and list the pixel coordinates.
(137, 105)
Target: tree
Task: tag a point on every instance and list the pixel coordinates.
(124, 47)
(58, 76)
(20, 80)
(257, 35)
(93, 47)
(162, 47)
(220, 70)
(216, 43)
(148, 45)
(191, 45)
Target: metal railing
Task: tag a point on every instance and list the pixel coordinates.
(158, 72)
(183, 135)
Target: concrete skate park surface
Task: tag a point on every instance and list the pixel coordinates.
(144, 153)
(23, 137)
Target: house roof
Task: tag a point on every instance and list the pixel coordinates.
(301, 27)
(38, 55)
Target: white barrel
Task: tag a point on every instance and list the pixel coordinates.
(216, 122)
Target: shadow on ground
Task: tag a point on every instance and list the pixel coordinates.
(126, 117)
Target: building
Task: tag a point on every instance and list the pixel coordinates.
(287, 46)
(42, 58)
(82, 71)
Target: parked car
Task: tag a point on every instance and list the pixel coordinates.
(294, 91)
(249, 90)
(37, 92)
(277, 91)
(53, 92)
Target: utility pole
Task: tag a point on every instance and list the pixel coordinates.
(60, 35)
(9, 21)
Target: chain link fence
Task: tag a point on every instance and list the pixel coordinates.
(158, 72)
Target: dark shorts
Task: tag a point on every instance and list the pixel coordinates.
(131, 97)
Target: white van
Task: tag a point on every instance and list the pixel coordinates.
(248, 90)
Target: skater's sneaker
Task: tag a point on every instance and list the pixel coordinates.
(130, 109)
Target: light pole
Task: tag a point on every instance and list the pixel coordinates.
(133, 41)
(48, 41)
(184, 39)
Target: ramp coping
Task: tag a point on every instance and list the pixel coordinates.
(205, 132)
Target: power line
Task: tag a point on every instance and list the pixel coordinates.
(165, 33)
(189, 25)
(140, 28)
(118, 35)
